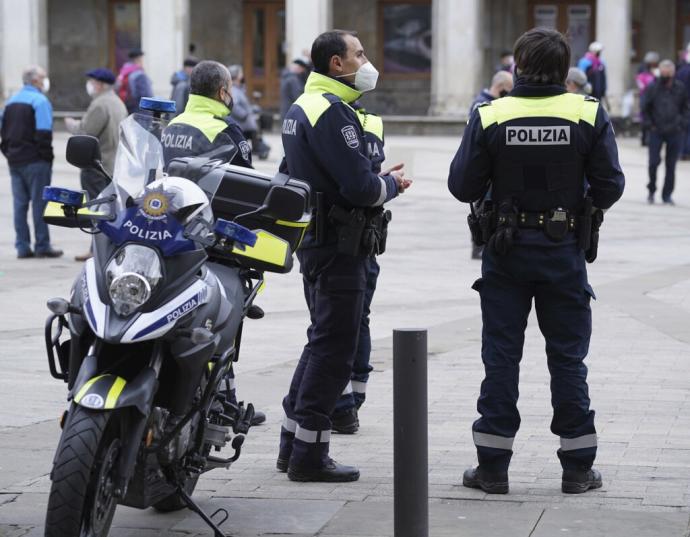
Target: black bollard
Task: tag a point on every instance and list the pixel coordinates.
(410, 443)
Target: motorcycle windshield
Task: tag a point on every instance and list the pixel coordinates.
(139, 158)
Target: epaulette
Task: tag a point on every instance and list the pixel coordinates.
(591, 99)
(485, 103)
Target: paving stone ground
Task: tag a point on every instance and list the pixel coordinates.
(639, 366)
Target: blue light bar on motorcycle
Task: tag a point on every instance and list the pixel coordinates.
(235, 232)
(65, 196)
(157, 105)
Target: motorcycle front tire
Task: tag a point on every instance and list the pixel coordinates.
(81, 501)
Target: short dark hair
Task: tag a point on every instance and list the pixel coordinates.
(207, 78)
(327, 45)
(542, 56)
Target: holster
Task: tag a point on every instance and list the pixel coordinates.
(349, 227)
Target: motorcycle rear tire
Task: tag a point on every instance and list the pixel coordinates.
(82, 475)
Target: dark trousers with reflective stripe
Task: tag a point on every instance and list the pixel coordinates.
(555, 277)
(361, 367)
(334, 291)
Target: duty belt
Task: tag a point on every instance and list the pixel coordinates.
(539, 220)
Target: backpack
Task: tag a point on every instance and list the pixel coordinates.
(124, 90)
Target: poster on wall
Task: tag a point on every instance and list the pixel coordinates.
(407, 38)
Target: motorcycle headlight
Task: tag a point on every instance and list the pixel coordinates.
(132, 276)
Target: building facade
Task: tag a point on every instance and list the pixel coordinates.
(434, 55)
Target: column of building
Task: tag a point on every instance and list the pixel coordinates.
(24, 41)
(164, 40)
(305, 20)
(614, 28)
(456, 65)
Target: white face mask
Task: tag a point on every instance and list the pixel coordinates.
(90, 88)
(46, 85)
(365, 77)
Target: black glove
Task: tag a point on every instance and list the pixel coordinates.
(502, 240)
(506, 232)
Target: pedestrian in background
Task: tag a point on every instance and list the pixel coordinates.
(501, 85)
(534, 254)
(243, 113)
(683, 74)
(594, 67)
(666, 113)
(292, 84)
(132, 82)
(576, 82)
(506, 61)
(647, 73)
(180, 84)
(102, 120)
(27, 143)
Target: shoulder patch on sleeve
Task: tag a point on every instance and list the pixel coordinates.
(350, 134)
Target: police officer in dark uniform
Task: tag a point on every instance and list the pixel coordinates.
(345, 418)
(324, 144)
(551, 161)
(205, 127)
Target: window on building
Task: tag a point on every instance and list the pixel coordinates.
(125, 30)
(574, 18)
(405, 44)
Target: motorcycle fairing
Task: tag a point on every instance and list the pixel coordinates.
(106, 325)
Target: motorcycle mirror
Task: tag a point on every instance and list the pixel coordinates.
(284, 203)
(83, 151)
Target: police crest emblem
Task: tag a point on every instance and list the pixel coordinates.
(155, 204)
(350, 135)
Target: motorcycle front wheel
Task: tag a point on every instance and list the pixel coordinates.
(82, 501)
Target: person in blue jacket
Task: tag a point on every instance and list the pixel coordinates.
(533, 148)
(27, 143)
(324, 144)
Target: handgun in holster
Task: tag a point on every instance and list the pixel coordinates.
(349, 226)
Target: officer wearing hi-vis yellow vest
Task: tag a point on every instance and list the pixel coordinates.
(325, 145)
(550, 161)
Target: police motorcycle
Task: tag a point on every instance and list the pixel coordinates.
(147, 337)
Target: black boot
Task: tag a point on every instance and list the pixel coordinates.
(331, 472)
(489, 482)
(345, 423)
(579, 481)
(282, 465)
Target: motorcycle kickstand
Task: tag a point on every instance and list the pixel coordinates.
(191, 504)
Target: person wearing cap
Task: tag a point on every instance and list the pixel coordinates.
(576, 82)
(292, 83)
(102, 120)
(180, 84)
(646, 74)
(132, 82)
(592, 65)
